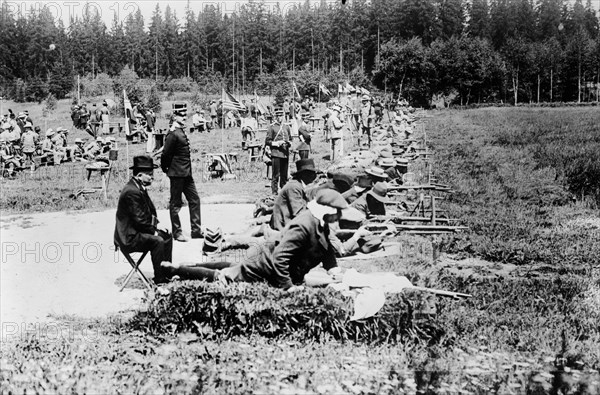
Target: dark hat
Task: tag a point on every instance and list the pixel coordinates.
(364, 181)
(342, 182)
(379, 192)
(278, 111)
(213, 241)
(377, 172)
(305, 165)
(37, 129)
(143, 162)
(370, 244)
(331, 198)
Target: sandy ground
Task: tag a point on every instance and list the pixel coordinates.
(64, 263)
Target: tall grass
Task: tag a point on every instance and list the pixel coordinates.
(526, 180)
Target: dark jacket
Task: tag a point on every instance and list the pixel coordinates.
(175, 160)
(304, 244)
(135, 214)
(277, 132)
(288, 204)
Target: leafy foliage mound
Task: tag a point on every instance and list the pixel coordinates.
(244, 309)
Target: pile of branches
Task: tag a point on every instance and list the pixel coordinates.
(241, 309)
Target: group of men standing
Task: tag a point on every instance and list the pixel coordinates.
(91, 120)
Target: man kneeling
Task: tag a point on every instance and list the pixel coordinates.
(136, 228)
(304, 244)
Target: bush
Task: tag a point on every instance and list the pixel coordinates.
(243, 309)
(99, 86)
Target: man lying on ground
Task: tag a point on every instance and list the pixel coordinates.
(304, 245)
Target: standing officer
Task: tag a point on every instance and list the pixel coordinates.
(177, 164)
(278, 139)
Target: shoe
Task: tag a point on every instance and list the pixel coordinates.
(198, 235)
(181, 238)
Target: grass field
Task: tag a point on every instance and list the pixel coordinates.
(534, 329)
(526, 183)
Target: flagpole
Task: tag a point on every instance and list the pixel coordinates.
(319, 91)
(126, 135)
(222, 119)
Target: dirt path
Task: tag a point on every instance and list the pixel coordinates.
(65, 264)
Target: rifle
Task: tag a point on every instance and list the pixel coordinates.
(449, 294)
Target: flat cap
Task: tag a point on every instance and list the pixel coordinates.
(331, 198)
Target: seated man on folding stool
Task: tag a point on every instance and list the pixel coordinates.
(136, 228)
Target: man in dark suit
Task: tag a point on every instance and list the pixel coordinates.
(136, 228)
(292, 198)
(278, 139)
(177, 164)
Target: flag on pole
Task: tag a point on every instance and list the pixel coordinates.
(349, 88)
(296, 92)
(128, 113)
(323, 89)
(340, 89)
(231, 103)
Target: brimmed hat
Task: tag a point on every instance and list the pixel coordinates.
(386, 152)
(143, 162)
(402, 161)
(352, 214)
(379, 192)
(336, 107)
(386, 162)
(397, 151)
(112, 139)
(60, 129)
(213, 241)
(99, 139)
(28, 125)
(22, 115)
(49, 133)
(377, 172)
(305, 114)
(78, 140)
(331, 198)
(366, 98)
(305, 165)
(278, 111)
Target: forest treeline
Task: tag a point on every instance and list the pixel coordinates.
(474, 51)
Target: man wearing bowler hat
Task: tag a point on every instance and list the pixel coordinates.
(136, 227)
(177, 164)
(292, 197)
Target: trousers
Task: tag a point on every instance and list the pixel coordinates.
(280, 174)
(160, 247)
(187, 187)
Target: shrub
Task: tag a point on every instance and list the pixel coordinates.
(243, 309)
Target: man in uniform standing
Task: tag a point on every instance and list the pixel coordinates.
(278, 139)
(177, 164)
(337, 133)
